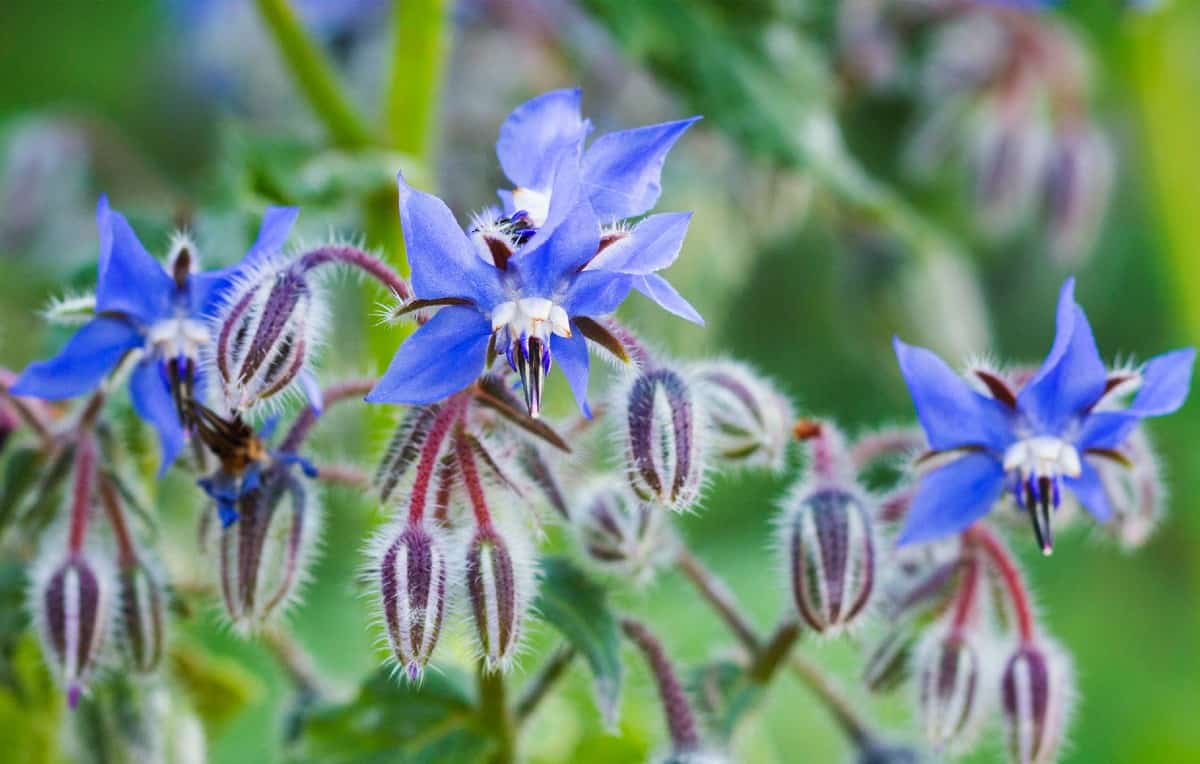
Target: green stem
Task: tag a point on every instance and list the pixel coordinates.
(495, 715)
(314, 75)
(549, 674)
(418, 59)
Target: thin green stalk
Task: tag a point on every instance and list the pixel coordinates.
(495, 715)
(418, 60)
(314, 75)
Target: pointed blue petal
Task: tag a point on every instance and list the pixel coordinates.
(209, 288)
(1089, 490)
(312, 390)
(571, 355)
(533, 134)
(951, 413)
(1166, 380)
(652, 245)
(442, 357)
(660, 290)
(130, 281)
(952, 497)
(549, 263)
(90, 354)
(596, 293)
(622, 170)
(273, 234)
(443, 260)
(1072, 377)
(150, 392)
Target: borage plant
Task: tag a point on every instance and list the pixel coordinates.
(473, 461)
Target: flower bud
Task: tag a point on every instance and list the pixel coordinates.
(1135, 490)
(499, 588)
(1076, 186)
(829, 545)
(663, 456)
(264, 555)
(71, 602)
(620, 534)
(750, 420)
(266, 330)
(412, 579)
(404, 448)
(1035, 693)
(141, 617)
(1008, 158)
(887, 665)
(950, 698)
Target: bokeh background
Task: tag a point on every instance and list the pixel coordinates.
(805, 255)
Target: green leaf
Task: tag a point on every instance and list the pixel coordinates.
(393, 721)
(578, 607)
(218, 688)
(723, 695)
(20, 476)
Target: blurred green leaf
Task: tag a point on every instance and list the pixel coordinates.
(218, 688)
(723, 695)
(29, 720)
(20, 476)
(578, 607)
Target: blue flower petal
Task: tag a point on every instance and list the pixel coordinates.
(150, 392)
(1089, 490)
(548, 263)
(1166, 380)
(444, 262)
(442, 357)
(1072, 377)
(90, 354)
(596, 293)
(652, 245)
(571, 355)
(621, 170)
(951, 413)
(535, 133)
(273, 234)
(951, 498)
(312, 390)
(130, 281)
(660, 290)
(207, 289)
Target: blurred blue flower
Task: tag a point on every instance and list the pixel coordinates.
(163, 312)
(1039, 438)
(501, 288)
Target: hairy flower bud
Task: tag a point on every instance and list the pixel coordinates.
(1035, 694)
(620, 534)
(829, 547)
(404, 448)
(887, 664)
(663, 455)
(950, 696)
(265, 333)
(263, 556)
(499, 589)
(750, 420)
(1077, 183)
(141, 617)
(412, 576)
(1135, 491)
(71, 605)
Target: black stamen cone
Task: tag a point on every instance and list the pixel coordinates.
(1039, 513)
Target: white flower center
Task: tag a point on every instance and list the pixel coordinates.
(535, 204)
(176, 337)
(1042, 457)
(531, 317)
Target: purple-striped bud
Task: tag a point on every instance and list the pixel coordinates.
(829, 547)
(620, 534)
(750, 421)
(1134, 485)
(141, 617)
(1076, 186)
(264, 555)
(412, 578)
(950, 693)
(71, 606)
(265, 333)
(888, 664)
(664, 457)
(403, 449)
(1008, 157)
(1035, 694)
(499, 588)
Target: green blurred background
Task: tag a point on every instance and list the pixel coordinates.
(183, 120)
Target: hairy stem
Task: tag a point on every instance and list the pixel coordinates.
(821, 685)
(470, 478)
(891, 441)
(445, 419)
(542, 682)
(772, 655)
(81, 492)
(681, 722)
(718, 594)
(496, 716)
(356, 258)
(968, 595)
(352, 388)
(1002, 561)
(126, 550)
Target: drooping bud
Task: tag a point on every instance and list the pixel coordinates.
(71, 605)
(499, 587)
(266, 331)
(829, 548)
(664, 457)
(750, 421)
(1008, 157)
(412, 577)
(264, 555)
(950, 693)
(1035, 694)
(1077, 184)
(141, 617)
(620, 534)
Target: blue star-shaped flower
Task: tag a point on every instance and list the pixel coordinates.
(1038, 438)
(498, 290)
(142, 305)
(619, 173)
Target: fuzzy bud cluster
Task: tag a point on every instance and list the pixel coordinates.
(141, 617)
(663, 452)
(750, 422)
(619, 534)
(413, 579)
(71, 601)
(951, 690)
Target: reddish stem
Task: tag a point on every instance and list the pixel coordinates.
(681, 723)
(470, 477)
(892, 441)
(964, 604)
(81, 493)
(356, 258)
(351, 388)
(126, 551)
(1002, 561)
(449, 414)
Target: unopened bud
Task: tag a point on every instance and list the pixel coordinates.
(950, 695)
(71, 602)
(499, 587)
(1008, 159)
(1133, 482)
(1035, 693)
(888, 664)
(620, 534)
(1077, 184)
(266, 331)
(141, 617)
(829, 546)
(412, 592)
(750, 420)
(663, 455)
(404, 449)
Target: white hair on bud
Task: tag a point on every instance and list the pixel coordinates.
(70, 309)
